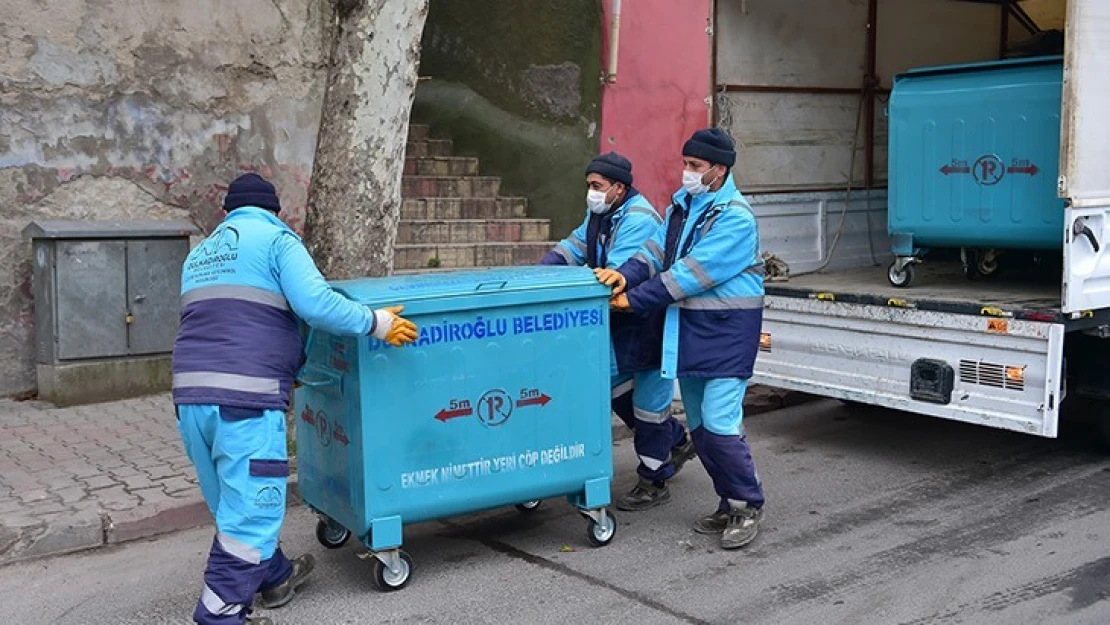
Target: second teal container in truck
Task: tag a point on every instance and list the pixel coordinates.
(974, 153)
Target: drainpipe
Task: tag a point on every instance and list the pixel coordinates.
(870, 84)
(614, 44)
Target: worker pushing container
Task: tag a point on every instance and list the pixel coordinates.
(974, 153)
(503, 400)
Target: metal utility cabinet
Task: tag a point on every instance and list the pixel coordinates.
(107, 302)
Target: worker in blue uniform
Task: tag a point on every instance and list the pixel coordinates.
(705, 270)
(236, 355)
(618, 221)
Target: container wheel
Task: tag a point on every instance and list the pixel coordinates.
(389, 581)
(332, 535)
(528, 506)
(987, 263)
(900, 278)
(601, 534)
(971, 266)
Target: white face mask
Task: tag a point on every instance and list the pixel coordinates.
(595, 201)
(691, 181)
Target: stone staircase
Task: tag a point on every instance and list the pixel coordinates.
(454, 218)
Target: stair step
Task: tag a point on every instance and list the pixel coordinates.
(419, 132)
(464, 208)
(427, 231)
(441, 166)
(459, 255)
(429, 148)
(450, 186)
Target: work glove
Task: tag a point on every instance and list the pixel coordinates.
(620, 302)
(390, 327)
(611, 278)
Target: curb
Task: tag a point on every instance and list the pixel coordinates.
(75, 532)
(156, 519)
(83, 531)
(86, 530)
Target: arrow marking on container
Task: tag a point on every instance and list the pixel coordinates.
(955, 169)
(541, 400)
(308, 417)
(1030, 169)
(340, 436)
(446, 415)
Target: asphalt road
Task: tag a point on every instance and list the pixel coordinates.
(872, 517)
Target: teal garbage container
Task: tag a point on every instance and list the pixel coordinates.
(974, 153)
(502, 401)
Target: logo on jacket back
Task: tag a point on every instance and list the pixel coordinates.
(220, 248)
(225, 240)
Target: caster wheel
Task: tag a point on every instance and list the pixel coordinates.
(389, 581)
(902, 278)
(528, 506)
(971, 266)
(601, 534)
(332, 535)
(988, 263)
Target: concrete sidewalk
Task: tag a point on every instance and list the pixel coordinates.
(82, 477)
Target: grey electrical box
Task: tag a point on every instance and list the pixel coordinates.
(107, 299)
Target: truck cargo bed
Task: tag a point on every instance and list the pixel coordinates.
(940, 287)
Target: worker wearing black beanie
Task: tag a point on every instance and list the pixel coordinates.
(618, 221)
(704, 268)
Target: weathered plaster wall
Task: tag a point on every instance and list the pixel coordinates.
(144, 108)
(516, 83)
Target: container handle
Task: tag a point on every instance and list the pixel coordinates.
(495, 285)
(315, 377)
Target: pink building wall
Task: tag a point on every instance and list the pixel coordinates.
(659, 99)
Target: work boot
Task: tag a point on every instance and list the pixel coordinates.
(643, 496)
(276, 597)
(712, 524)
(742, 528)
(682, 453)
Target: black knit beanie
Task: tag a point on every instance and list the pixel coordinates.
(613, 166)
(251, 190)
(713, 145)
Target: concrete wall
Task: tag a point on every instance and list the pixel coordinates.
(659, 98)
(144, 109)
(803, 140)
(516, 83)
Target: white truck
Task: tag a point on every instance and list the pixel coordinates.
(1002, 353)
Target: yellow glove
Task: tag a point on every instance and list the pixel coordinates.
(620, 302)
(611, 278)
(392, 328)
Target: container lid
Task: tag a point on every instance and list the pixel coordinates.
(406, 289)
(980, 66)
(132, 229)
